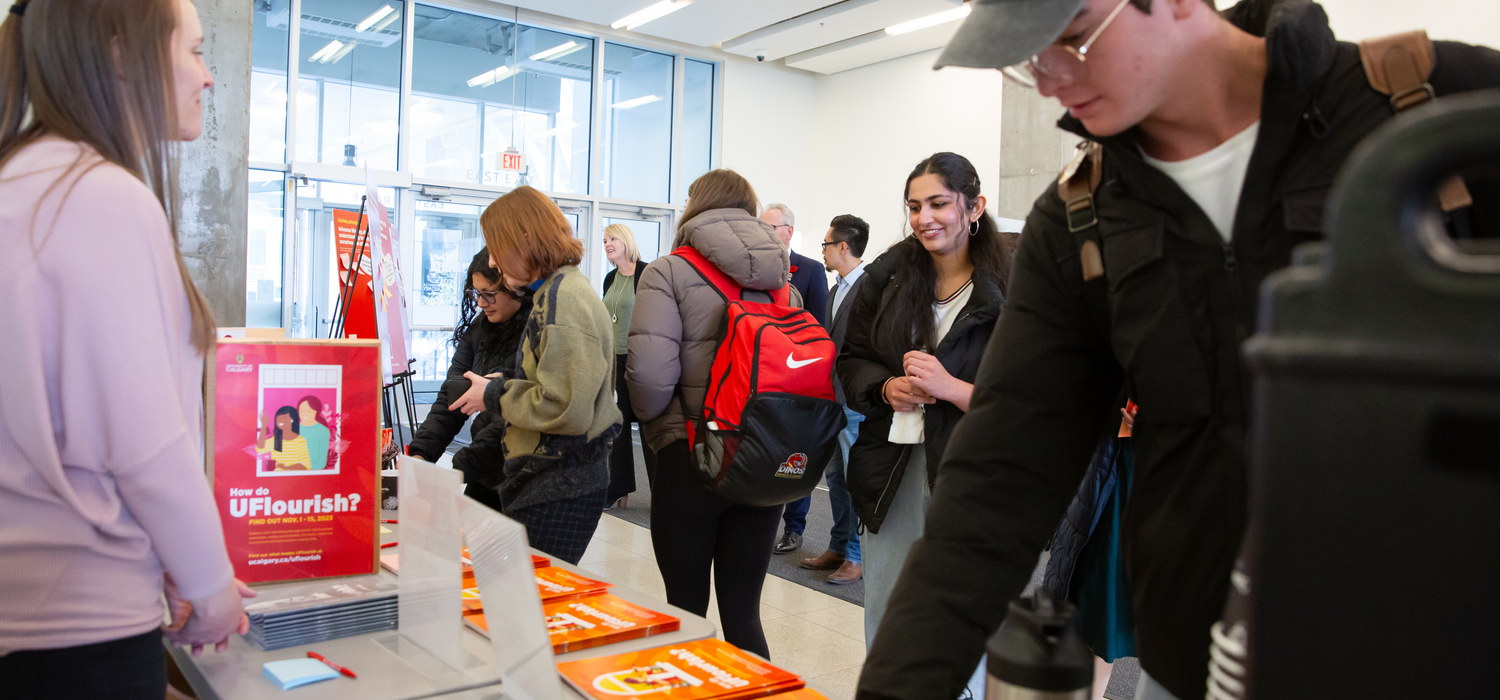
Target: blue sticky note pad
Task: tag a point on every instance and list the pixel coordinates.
(291, 673)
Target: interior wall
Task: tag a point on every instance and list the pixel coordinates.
(1471, 21)
(827, 145)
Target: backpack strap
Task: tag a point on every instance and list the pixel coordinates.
(1400, 66)
(1076, 186)
(722, 283)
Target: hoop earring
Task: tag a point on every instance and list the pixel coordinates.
(973, 227)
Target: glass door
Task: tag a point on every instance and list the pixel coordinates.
(315, 274)
(653, 229)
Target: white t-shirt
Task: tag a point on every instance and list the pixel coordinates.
(1214, 179)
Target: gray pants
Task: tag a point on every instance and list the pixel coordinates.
(885, 552)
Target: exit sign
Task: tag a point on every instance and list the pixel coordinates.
(511, 159)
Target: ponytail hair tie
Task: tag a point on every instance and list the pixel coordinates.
(19, 8)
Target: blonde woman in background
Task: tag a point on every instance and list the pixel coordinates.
(102, 512)
(620, 248)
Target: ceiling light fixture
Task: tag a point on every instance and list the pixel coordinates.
(556, 51)
(326, 51)
(336, 56)
(382, 24)
(372, 19)
(490, 78)
(632, 104)
(929, 21)
(657, 11)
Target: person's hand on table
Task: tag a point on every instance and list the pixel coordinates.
(211, 619)
(472, 401)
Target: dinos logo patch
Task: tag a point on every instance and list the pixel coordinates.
(794, 467)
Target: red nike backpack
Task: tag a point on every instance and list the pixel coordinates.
(770, 422)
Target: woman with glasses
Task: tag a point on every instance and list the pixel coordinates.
(489, 328)
(619, 297)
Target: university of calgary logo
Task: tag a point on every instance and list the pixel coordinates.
(794, 467)
(239, 359)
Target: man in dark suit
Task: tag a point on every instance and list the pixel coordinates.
(808, 278)
(843, 246)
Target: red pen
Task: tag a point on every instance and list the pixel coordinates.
(388, 544)
(332, 665)
(390, 521)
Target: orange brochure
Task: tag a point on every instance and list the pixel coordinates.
(583, 623)
(707, 669)
(556, 583)
(801, 694)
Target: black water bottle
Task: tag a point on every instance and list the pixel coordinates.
(1038, 655)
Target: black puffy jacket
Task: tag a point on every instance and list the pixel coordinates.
(875, 464)
(485, 349)
(1165, 321)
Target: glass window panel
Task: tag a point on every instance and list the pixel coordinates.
(269, 45)
(448, 236)
(348, 101)
(637, 123)
(263, 249)
(434, 352)
(647, 236)
(481, 86)
(697, 122)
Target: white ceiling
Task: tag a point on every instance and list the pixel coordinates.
(825, 36)
(873, 47)
(832, 24)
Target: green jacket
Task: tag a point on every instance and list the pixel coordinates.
(560, 413)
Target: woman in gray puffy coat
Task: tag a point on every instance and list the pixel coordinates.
(673, 337)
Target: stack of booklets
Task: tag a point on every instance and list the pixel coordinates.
(557, 583)
(581, 623)
(392, 563)
(708, 669)
(321, 610)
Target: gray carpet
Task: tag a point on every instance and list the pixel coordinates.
(783, 566)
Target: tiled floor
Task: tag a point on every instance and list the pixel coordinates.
(813, 635)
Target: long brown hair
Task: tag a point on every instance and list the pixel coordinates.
(528, 235)
(717, 189)
(57, 62)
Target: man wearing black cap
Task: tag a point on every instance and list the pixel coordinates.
(1218, 138)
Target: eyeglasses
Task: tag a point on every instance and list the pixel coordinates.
(829, 243)
(483, 297)
(1060, 62)
(777, 226)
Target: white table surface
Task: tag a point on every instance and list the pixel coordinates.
(391, 668)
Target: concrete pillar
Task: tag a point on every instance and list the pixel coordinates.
(213, 178)
(1032, 149)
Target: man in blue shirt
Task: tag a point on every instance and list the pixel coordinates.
(842, 247)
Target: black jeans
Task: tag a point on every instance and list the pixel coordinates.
(692, 530)
(133, 668)
(622, 455)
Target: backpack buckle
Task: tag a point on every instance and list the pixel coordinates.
(1076, 208)
(1406, 99)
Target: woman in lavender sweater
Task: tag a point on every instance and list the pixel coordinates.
(103, 503)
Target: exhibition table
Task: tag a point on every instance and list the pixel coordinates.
(392, 668)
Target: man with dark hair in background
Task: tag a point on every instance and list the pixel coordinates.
(808, 278)
(843, 246)
(1215, 140)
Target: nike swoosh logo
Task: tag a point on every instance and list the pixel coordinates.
(798, 364)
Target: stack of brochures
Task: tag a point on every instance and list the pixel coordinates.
(317, 611)
(708, 669)
(581, 623)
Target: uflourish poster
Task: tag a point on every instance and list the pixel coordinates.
(293, 459)
(356, 249)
